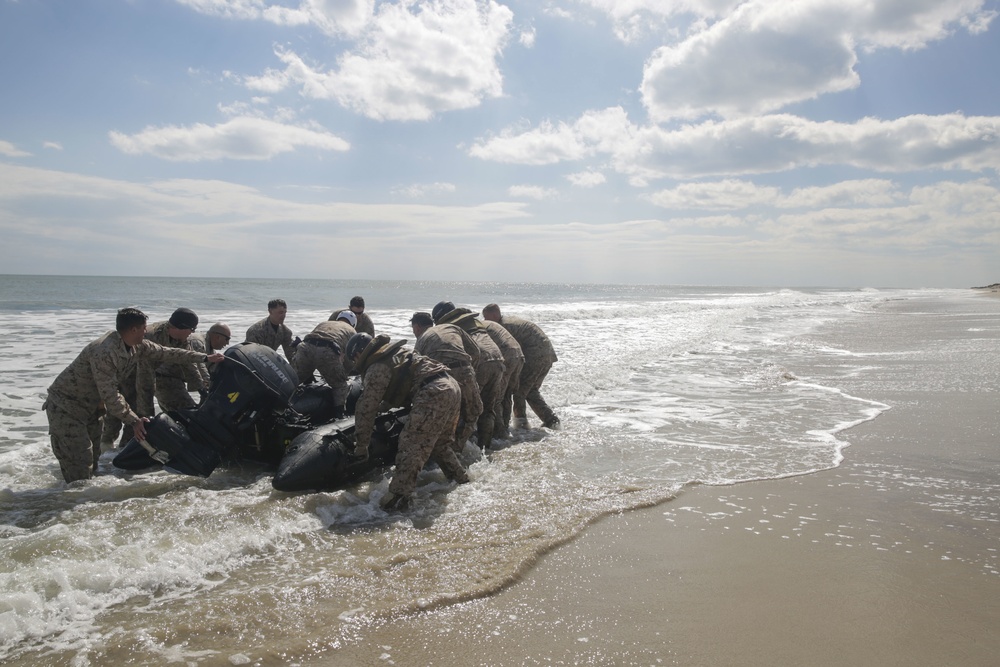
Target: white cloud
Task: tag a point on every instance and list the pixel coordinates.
(218, 228)
(331, 16)
(532, 192)
(175, 214)
(731, 194)
(632, 19)
(420, 190)
(766, 144)
(595, 131)
(416, 60)
(586, 179)
(558, 12)
(936, 218)
(57, 218)
(8, 149)
(53, 145)
(765, 55)
(527, 38)
(624, 9)
(241, 138)
(719, 195)
(869, 192)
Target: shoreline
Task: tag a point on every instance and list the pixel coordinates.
(836, 567)
(891, 558)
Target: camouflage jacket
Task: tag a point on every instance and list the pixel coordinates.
(365, 324)
(377, 379)
(336, 331)
(508, 345)
(199, 343)
(265, 333)
(449, 345)
(534, 343)
(185, 370)
(93, 378)
(466, 320)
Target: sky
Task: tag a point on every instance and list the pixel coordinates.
(789, 143)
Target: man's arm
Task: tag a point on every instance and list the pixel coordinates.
(470, 347)
(106, 377)
(376, 382)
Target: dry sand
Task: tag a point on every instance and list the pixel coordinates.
(876, 562)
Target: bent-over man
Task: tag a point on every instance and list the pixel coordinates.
(398, 377)
(87, 388)
(513, 360)
(489, 370)
(539, 355)
(449, 345)
(321, 350)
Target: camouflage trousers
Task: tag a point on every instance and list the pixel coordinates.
(428, 434)
(75, 442)
(472, 404)
(172, 393)
(528, 385)
(310, 357)
(502, 411)
(489, 376)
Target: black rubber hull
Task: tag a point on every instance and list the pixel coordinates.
(242, 414)
(255, 411)
(320, 459)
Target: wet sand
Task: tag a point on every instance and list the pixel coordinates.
(877, 562)
(852, 566)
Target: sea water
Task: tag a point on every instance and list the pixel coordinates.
(657, 388)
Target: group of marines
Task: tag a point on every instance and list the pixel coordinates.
(464, 376)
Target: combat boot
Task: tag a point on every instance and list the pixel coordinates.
(394, 502)
(553, 424)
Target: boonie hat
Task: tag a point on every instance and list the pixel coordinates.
(184, 318)
(442, 309)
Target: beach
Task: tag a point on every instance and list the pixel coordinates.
(876, 562)
(744, 477)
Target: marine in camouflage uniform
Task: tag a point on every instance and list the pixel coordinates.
(271, 331)
(216, 340)
(393, 375)
(172, 380)
(89, 387)
(449, 345)
(489, 370)
(539, 355)
(361, 323)
(139, 387)
(513, 360)
(321, 350)
(364, 323)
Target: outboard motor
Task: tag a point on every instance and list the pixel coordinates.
(251, 387)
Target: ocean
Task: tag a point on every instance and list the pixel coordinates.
(658, 388)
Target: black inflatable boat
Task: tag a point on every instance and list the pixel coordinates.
(256, 411)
